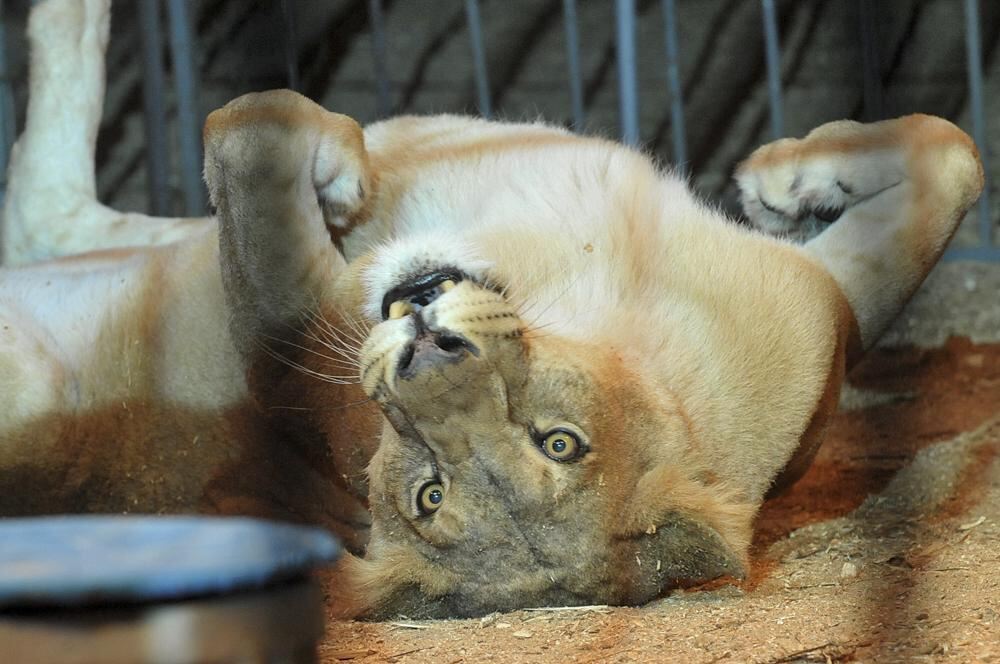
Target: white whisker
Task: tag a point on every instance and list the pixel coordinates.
(348, 360)
(341, 336)
(314, 352)
(337, 380)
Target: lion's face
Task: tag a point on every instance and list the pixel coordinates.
(520, 468)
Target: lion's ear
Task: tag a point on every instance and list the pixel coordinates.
(682, 551)
(680, 531)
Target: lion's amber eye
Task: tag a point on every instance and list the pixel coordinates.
(430, 497)
(561, 445)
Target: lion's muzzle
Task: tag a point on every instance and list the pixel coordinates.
(444, 346)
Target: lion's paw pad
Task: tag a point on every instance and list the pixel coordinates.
(797, 197)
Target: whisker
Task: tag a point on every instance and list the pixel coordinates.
(337, 380)
(310, 350)
(556, 299)
(531, 329)
(334, 336)
(352, 404)
(348, 359)
(346, 338)
(343, 335)
(361, 327)
(331, 330)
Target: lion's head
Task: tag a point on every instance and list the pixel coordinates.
(517, 467)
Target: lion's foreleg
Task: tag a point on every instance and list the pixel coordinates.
(283, 174)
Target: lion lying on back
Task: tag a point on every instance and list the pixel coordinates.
(586, 379)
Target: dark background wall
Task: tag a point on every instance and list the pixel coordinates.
(245, 45)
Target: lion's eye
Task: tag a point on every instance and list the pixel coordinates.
(429, 497)
(561, 445)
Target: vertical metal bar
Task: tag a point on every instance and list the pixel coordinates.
(974, 64)
(773, 58)
(291, 47)
(871, 64)
(573, 60)
(478, 57)
(674, 83)
(188, 116)
(8, 126)
(154, 106)
(383, 102)
(627, 85)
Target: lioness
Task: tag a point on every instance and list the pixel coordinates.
(586, 379)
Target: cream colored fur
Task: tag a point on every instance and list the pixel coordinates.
(696, 359)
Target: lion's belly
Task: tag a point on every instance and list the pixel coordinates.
(52, 318)
(68, 302)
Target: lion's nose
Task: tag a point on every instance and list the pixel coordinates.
(431, 348)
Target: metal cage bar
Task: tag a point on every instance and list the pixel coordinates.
(628, 89)
(154, 105)
(974, 65)
(871, 63)
(383, 97)
(573, 64)
(479, 57)
(189, 119)
(182, 50)
(8, 124)
(677, 132)
(291, 45)
(772, 55)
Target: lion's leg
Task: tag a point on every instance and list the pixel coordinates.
(51, 208)
(284, 175)
(897, 191)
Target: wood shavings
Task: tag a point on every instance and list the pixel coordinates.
(602, 608)
(972, 524)
(405, 625)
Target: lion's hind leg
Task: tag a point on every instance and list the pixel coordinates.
(886, 196)
(51, 208)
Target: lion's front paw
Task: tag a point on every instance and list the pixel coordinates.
(269, 144)
(796, 188)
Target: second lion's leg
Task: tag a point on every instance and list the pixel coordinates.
(51, 208)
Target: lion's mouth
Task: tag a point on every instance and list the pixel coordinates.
(415, 293)
(430, 353)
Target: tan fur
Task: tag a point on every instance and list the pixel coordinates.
(698, 361)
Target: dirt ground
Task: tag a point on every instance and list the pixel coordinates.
(888, 550)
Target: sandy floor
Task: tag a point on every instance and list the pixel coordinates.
(887, 550)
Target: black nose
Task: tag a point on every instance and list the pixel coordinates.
(431, 348)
